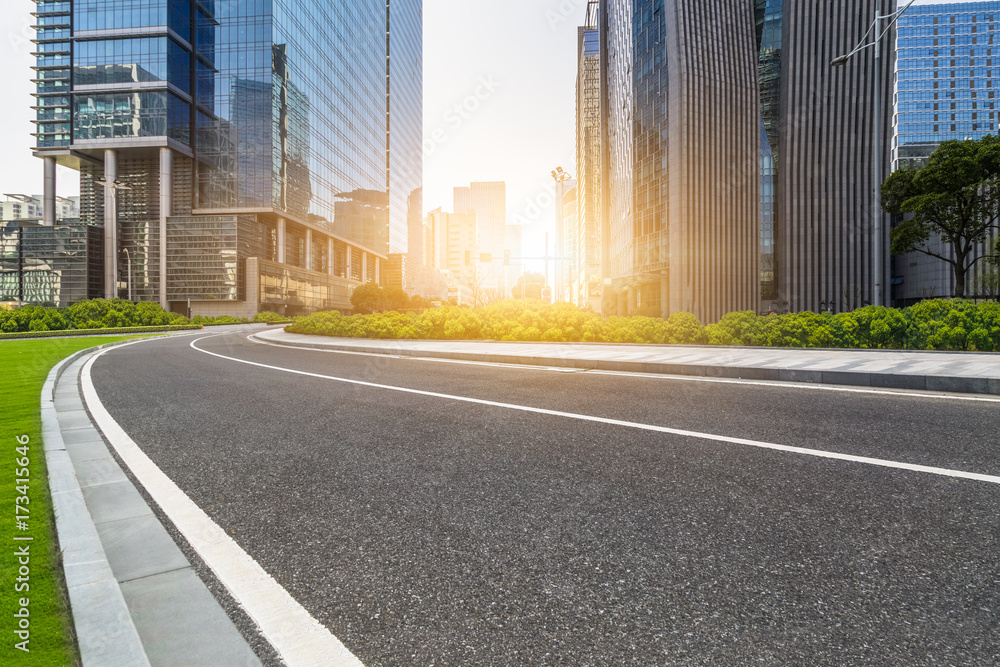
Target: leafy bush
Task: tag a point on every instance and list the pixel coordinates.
(93, 314)
(268, 317)
(930, 325)
(218, 320)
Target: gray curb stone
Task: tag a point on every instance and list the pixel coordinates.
(937, 383)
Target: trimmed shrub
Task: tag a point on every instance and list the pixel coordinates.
(941, 325)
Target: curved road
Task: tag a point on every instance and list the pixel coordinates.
(421, 529)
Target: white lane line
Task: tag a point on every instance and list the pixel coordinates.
(297, 637)
(886, 391)
(885, 463)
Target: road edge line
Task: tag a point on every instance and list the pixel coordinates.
(295, 634)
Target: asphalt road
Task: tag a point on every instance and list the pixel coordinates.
(427, 531)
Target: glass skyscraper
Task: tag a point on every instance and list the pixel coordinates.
(945, 89)
(768, 15)
(292, 127)
(681, 150)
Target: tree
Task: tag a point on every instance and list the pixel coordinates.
(954, 196)
(368, 298)
(529, 286)
(396, 299)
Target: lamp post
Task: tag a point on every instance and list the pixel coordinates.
(110, 254)
(560, 176)
(878, 265)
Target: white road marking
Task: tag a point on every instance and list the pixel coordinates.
(884, 463)
(297, 637)
(650, 376)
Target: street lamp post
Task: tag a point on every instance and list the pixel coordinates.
(560, 176)
(878, 240)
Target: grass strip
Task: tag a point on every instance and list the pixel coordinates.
(25, 364)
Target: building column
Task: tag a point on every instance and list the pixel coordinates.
(633, 298)
(281, 241)
(364, 267)
(49, 196)
(110, 225)
(329, 257)
(665, 296)
(350, 262)
(309, 250)
(166, 210)
(378, 270)
(622, 306)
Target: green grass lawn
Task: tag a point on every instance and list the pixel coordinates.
(24, 365)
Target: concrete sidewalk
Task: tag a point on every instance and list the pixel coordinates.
(959, 372)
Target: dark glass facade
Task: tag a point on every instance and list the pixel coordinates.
(53, 266)
(768, 16)
(651, 141)
(303, 117)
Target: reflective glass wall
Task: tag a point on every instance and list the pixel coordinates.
(299, 120)
(405, 119)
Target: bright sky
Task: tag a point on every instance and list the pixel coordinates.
(499, 102)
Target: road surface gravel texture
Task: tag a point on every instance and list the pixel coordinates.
(423, 530)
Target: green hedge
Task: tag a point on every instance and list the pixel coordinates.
(93, 314)
(930, 325)
(100, 332)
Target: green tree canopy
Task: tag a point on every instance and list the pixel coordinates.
(954, 196)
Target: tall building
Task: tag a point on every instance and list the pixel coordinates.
(680, 142)
(584, 240)
(489, 202)
(820, 139)
(945, 89)
(239, 156)
(452, 247)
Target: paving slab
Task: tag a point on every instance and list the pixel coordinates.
(181, 623)
(139, 547)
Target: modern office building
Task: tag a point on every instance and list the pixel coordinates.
(681, 151)
(489, 202)
(817, 172)
(945, 89)
(238, 156)
(584, 241)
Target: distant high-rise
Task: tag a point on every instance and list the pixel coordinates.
(945, 90)
(680, 143)
(489, 202)
(451, 246)
(235, 149)
(583, 239)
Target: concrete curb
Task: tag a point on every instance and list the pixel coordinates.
(936, 383)
(105, 632)
(134, 596)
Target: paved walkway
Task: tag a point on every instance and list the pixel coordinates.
(963, 372)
